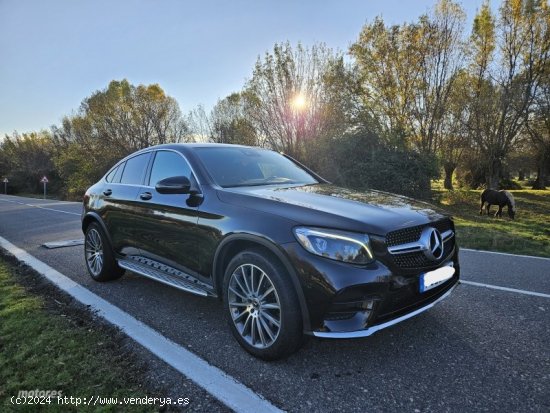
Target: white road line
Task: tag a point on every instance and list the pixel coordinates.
(225, 388)
(44, 201)
(13, 202)
(505, 253)
(40, 207)
(55, 210)
(55, 203)
(512, 290)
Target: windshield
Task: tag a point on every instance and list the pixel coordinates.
(238, 166)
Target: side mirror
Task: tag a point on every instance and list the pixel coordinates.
(174, 185)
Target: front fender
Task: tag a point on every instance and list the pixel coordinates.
(228, 240)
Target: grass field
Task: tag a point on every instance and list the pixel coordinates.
(48, 345)
(528, 234)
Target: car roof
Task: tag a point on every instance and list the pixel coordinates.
(184, 148)
(198, 145)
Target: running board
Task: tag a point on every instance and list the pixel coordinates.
(165, 274)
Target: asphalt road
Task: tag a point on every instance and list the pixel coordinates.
(479, 350)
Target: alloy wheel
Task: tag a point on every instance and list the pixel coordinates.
(254, 306)
(94, 252)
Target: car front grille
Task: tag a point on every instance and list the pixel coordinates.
(405, 235)
(417, 259)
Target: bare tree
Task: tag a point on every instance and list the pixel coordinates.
(286, 98)
(440, 61)
(200, 124)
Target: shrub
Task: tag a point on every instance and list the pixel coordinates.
(361, 161)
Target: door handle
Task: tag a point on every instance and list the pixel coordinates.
(107, 192)
(146, 196)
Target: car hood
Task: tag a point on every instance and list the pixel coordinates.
(326, 205)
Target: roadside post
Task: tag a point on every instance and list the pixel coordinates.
(45, 181)
(5, 185)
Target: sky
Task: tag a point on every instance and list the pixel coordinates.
(55, 53)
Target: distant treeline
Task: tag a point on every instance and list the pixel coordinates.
(403, 105)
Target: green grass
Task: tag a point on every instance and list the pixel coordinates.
(528, 234)
(43, 348)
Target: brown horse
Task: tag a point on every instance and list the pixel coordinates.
(500, 198)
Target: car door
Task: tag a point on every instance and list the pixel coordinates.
(168, 222)
(119, 200)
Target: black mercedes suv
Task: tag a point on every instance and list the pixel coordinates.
(287, 252)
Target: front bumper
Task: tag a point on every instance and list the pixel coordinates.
(373, 329)
(346, 301)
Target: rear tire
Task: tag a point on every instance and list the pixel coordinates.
(99, 256)
(262, 306)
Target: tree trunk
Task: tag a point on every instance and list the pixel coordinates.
(539, 182)
(521, 175)
(449, 170)
(493, 179)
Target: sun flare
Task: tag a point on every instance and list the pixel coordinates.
(299, 102)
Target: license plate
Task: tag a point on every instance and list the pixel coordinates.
(434, 278)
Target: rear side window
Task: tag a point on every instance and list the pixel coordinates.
(118, 174)
(115, 174)
(111, 175)
(168, 164)
(134, 170)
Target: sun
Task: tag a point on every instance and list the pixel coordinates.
(299, 102)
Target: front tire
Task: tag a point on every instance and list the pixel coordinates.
(99, 256)
(262, 306)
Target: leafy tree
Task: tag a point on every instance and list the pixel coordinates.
(26, 158)
(538, 131)
(507, 63)
(455, 141)
(388, 62)
(111, 124)
(408, 73)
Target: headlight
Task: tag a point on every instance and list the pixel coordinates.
(337, 245)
